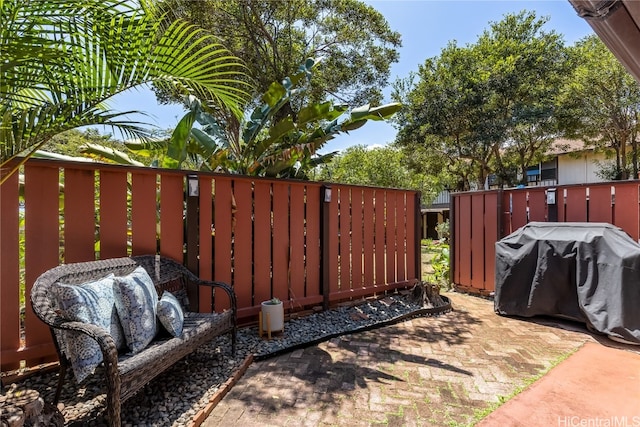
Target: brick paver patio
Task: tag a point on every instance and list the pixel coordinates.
(433, 371)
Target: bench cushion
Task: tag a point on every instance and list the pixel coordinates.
(94, 303)
(170, 314)
(136, 302)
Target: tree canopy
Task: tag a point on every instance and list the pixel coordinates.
(487, 107)
(602, 103)
(273, 37)
(379, 166)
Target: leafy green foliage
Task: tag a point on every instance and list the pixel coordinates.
(273, 140)
(379, 166)
(486, 107)
(444, 230)
(438, 254)
(352, 39)
(63, 59)
(601, 105)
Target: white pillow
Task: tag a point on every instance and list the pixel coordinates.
(136, 302)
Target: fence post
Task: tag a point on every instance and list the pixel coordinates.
(192, 233)
(452, 236)
(418, 236)
(325, 217)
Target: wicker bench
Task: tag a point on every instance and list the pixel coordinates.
(126, 374)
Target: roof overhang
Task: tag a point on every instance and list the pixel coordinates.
(617, 23)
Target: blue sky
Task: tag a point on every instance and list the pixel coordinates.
(426, 27)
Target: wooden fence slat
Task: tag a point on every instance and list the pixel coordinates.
(379, 227)
(42, 239)
(410, 236)
(600, 209)
(390, 233)
(356, 238)
(296, 245)
(171, 220)
(143, 214)
(113, 214)
(79, 215)
(537, 205)
(281, 240)
(490, 238)
(334, 255)
(243, 243)
(312, 227)
(477, 241)
(576, 208)
(345, 238)
(464, 243)
(263, 241)
(626, 209)
(368, 238)
(9, 271)
(205, 263)
(223, 207)
(518, 209)
(401, 237)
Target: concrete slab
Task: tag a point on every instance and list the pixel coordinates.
(596, 386)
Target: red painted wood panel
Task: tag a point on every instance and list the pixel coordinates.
(401, 238)
(518, 209)
(143, 213)
(457, 238)
(626, 209)
(296, 248)
(79, 215)
(368, 237)
(205, 262)
(171, 222)
(113, 214)
(222, 241)
(9, 270)
(490, 239)
(42, 239)
(281, 240)
(537, 205)
(262, 244)
(345, 238)
(410, 246)
(391, 236)
(243, 243)
(576, 208)
(334, 241)
(600, 208)
(463, 245)
(357, 244)
(379, 238)
(560, 200)
(477, 241)
(313, 266)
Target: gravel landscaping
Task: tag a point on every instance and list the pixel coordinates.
(175, 396)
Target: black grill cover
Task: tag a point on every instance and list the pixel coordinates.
(588, 272)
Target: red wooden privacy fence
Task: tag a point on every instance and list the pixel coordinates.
(480, 219)
(303, 242)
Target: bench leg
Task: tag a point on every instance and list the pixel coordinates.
(113, 394)
(62, 373)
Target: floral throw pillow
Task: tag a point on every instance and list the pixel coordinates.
(170, 314)
(136, 302)
(94, 303)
